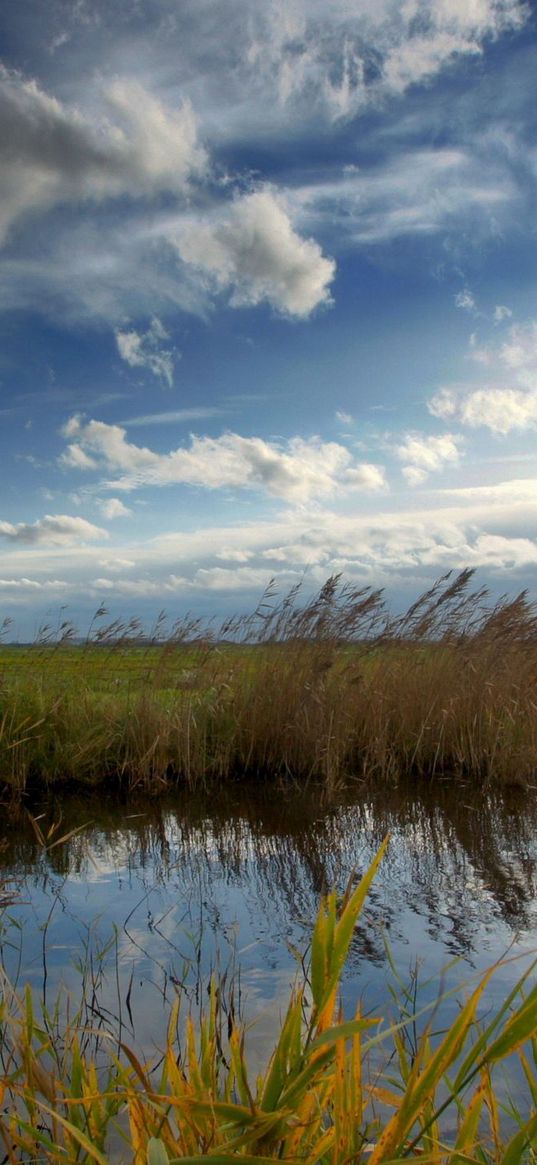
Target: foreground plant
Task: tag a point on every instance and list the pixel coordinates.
(335, 1091)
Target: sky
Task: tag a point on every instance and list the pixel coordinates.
(267, 300)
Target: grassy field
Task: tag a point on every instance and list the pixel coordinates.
(335, 1090)
(333, 689)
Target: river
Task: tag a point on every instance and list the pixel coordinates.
(150, 896)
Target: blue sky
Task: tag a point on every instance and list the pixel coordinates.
(267, 299)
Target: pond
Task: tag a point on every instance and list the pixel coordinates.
(150, 896)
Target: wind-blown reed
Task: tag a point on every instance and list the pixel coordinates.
(330, 689)
(334, 1091)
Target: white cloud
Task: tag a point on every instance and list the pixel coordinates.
(74, 457)
(502, 407)
(465, 300)
(344, 418)
(501, 313)
(51, 586)
(108, 442)
(173, 417)
(414, 475)
(52, 154)
(143, 350)
(491, 527)
(519, 352)
(295, 470)
(117, 564)
(501, 410)
(413, 192)
(56, 529)
(318, 56)
(366, 476)
(96, 267)
(114, 508)
(251, 71)
(423, 455)
(252, 248)
(436, 32)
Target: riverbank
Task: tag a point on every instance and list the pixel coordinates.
(333, 690)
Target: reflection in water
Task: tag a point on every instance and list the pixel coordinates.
(235, 877)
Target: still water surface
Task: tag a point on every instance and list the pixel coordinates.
(152, 895)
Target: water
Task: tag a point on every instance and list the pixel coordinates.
(150, 896)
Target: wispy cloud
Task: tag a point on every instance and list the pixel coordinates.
(333, 59)
(412, 192)
(174, 416)
(501, 313)
(466, 300)
(145, 350)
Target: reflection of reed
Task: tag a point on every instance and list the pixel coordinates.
(458, 860)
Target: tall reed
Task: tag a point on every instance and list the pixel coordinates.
(332, 688)
(335, 1090)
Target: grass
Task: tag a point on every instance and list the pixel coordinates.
(335, 1090)
(331, 689)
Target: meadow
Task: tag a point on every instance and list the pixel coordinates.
(332, 689)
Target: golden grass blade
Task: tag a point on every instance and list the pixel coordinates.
(516, 1149)
(342, 1030)
(76, 1134)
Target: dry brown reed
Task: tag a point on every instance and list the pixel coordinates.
(332, 689)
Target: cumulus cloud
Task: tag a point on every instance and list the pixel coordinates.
(74, 457)
(56, 529)
(114, 508)
(51, 153)
(502, 410)
(252, 248)
(53, 586)
(502, 407)
(423, 455)
(143, 350)
(366, 476)
(294, 470)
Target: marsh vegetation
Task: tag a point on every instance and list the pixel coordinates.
(430, 719)
(332, 688)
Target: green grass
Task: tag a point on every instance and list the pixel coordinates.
(335, 1090)
(330, 690)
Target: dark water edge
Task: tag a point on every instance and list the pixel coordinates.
(152, 895)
